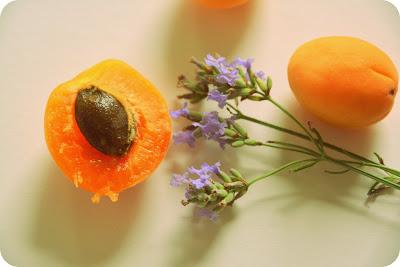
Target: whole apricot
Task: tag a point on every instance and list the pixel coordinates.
(221, 4)
(343, 80)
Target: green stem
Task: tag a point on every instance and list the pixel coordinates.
(308, 133)
(374, 177)
(291, 149)
(375, 165)
(303, 136)
(310, 151)
(283, 167)
(309, 137)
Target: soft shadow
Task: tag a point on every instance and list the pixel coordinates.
(360, 141)
(192, 242)
(197, 31)
(74, 231)
(314, 183)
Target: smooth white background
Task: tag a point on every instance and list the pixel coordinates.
(292, 220)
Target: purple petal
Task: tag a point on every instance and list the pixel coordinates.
(179, 179)
(183, 112)
(215, 168)
(218, 97)
(210, 125)
(246, 63)
(200, 183)
(261, 75)
(218, 63)
(185, 137)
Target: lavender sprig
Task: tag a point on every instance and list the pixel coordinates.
(223, 81)
(209, 188)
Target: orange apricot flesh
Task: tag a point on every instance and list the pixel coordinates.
(83, 164)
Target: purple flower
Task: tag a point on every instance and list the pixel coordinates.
(228, 76)
(204, 174)
(205, 169)
(212, 128)
(227, 73)
(216, 62)
(242, 62)
(183, 112)
(261, 75)
(185, 137)
(207, 213)
(212, 168)
(179, 179)
(217, 96)
(200, 182)
(210, 125)
(219, 63)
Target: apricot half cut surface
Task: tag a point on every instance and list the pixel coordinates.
(343, 80)
(107, 129)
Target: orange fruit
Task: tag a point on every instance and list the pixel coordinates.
(221, 4)
(128, 145)
(343, 80)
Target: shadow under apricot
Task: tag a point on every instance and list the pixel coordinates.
(197, 31)
(76, 232)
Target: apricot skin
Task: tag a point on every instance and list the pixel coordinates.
(221, 4)
(344, 81)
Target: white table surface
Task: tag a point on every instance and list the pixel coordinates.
(308, 219)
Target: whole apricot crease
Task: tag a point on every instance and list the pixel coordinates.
(86, 166)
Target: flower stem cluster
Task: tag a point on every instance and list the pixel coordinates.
(210, 188)
(228, 83)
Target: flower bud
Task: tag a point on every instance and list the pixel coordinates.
(199, 64)
(236, 173)
(218, 185)
(262, 84)
(230, 133)
(238, 143)
(269, 84)
(235, 185)
(240, 129)
(251, 76)
(240, 82)
(195, 116)
(197, 133)
(255, 98)
(245, 91)
(242, 73)
(251, 142)
(224, 176)
(228, 199)
(202, 197)
(222, 193)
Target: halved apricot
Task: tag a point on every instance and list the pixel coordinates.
(107, 129)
